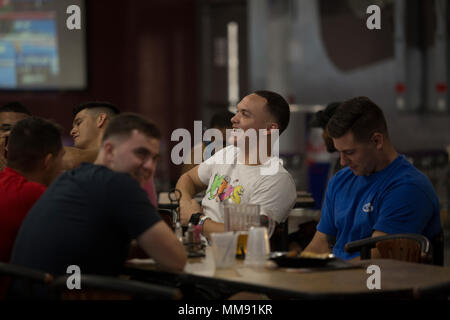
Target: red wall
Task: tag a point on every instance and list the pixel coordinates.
(141, 56)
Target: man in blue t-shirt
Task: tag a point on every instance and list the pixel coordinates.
(379, 192)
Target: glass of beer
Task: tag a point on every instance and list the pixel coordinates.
(241, 249)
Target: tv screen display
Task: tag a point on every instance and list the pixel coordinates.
(37, 49)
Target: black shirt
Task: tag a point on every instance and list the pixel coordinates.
(87, 218)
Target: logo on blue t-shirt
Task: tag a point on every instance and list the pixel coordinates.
(368, 207)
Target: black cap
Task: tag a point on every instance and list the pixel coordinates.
(321, 118)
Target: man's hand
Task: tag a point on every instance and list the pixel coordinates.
(187, 208)
(318, 244)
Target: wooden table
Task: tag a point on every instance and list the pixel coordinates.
(398, 279)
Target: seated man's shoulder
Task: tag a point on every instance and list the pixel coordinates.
(416, 189)
(282, 179)
(410, 177)
(101, 175)
(28, 193)
(33, 187)
(225, 155)
(9, 177)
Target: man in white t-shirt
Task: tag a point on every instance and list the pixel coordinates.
(233, 174)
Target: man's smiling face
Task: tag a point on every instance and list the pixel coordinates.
(252, 113)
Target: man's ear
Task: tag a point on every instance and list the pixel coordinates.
(272, 126)
(48, 161)
(378, 140)
(101, 120)
(108, 150)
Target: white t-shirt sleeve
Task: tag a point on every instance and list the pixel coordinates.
(277, 195)
(204, 172)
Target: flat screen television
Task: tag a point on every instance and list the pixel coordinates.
(37, 49)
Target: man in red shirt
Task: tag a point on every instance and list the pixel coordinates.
(34, 160)
(10, 113)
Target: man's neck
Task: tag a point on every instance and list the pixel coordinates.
(250, 161)
(35, 176)
(388, 156)
(95, 144)
(100, 160)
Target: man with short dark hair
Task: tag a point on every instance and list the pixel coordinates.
(261, 112)
(90, 120)
(379, 192)
(89, 123)
(34, 160)
(90, 214)
(10, 113)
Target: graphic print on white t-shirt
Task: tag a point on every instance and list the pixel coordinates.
(222, 189)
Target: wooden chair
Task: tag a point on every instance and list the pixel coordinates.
(96, 287)
(404, 247)
(28, 277)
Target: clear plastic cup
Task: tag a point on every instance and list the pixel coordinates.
(223, 245)
(258, 247)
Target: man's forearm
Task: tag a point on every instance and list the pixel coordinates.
(188, 205)
(318, 244)
(186, 187)
(73, 157)
(210, 226)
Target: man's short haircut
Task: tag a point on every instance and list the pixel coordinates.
(221, 119)
(15, 106)
(278, 107)
(124, 124)
(31, 140)
(360, 116)
(111, 108)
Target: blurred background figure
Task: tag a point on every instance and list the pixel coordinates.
(299, 239)
(10, 113)
(221, 121)
(320, 120)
